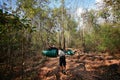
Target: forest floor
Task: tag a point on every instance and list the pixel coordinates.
(82, 67)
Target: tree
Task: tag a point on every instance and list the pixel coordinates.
(12, 42)
(115, 8)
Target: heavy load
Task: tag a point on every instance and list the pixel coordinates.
(54, 52)
(69, 52)
(50, 52)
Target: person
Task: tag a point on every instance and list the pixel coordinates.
(62, 60)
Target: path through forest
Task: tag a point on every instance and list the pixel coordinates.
(82, 67)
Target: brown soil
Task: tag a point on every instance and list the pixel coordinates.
(82, 67)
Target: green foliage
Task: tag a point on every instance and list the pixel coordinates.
(13, 41)
(107, 39)
(102, 36)
(32, 7)
(115, 8)
(110, 35)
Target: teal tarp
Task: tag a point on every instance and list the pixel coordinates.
(69, 52)
(50, 53)
(54, 52)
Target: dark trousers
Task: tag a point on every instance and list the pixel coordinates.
(62, 61)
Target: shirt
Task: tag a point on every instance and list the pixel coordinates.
(61, 53)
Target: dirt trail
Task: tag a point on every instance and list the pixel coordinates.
(81, 67)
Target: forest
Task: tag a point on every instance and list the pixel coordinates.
(27, 27)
